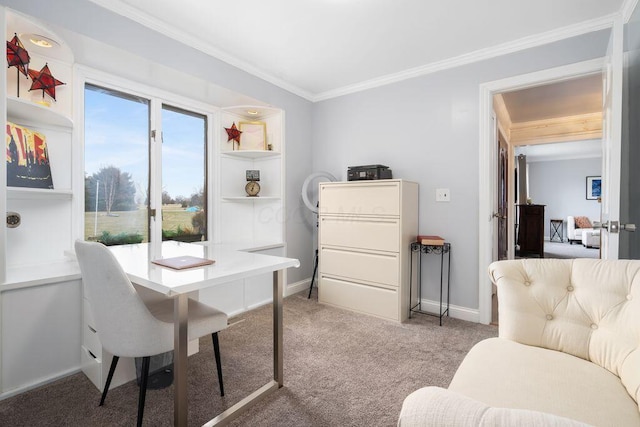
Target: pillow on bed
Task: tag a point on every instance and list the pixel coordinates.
(582, 222)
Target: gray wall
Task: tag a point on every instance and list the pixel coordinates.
(427, 130)
(561, 186)
(117, 45)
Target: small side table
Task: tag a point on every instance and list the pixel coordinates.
(555, 231)
(430, 249)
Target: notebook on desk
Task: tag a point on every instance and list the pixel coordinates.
(182, 262)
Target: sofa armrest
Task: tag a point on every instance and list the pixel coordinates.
(435, 406)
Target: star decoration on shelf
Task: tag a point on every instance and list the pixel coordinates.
(45, 81)
(17, 55)
(233, 133)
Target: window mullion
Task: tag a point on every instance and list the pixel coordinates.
(155, 169)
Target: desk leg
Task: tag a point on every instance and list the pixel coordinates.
(278, 369)
(180, 318)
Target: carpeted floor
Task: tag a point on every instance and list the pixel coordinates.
(567, 250)
(341, 368)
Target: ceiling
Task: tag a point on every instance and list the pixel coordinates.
(567, 98)
(582, 95)
(324, 48)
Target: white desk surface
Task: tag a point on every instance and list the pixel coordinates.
(229, 265)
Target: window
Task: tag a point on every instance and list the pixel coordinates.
(116, 165)
(184, 202)
(121, 185)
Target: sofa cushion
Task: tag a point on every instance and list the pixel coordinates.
(503, 373)
(582, 222)
(437, 407)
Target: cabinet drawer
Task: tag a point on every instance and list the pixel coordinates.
(91, 366)
(87, 313)
(366, 266)
(381, 198)
(90, 340)
(357, 232)
(362, 298)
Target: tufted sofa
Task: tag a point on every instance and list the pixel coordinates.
(568, 351)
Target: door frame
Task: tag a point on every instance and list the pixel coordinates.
(488, 168)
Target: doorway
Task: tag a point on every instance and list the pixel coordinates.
(488, 161)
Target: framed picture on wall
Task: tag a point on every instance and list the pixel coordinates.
(254, 135)
(594, 185)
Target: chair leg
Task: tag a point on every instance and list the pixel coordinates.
(112, 369)
(216, 352)
(143, 388)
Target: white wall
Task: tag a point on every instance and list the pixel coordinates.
(561, 186)
(427, 129)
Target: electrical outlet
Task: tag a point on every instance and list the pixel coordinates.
(443, 195)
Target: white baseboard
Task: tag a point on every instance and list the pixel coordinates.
(462, 313)
(294, 288)
(39, 383)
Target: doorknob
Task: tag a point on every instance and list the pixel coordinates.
(497, 215)
(614, 226)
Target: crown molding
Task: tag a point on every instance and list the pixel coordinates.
(478, 55)
(161, 27)
(121, 8)
(627, 9)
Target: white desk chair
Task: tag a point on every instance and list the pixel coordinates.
(129, 327)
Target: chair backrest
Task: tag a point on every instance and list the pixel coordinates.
(589, 308)
(124, 324)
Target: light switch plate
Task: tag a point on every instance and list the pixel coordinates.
(443, 195)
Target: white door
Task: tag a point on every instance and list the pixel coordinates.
(611, 135)
(630, 173)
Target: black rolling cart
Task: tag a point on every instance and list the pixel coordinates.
(442, 250)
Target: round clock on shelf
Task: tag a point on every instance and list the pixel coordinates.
(252, 188)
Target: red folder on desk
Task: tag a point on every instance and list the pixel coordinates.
(182, 262)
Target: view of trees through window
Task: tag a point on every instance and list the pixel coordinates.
(117, 153)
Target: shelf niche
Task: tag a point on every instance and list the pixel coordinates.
(252, 218)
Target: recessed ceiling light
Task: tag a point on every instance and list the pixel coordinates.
(40, 40)
(252, 112)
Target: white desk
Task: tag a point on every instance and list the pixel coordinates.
(229, 266)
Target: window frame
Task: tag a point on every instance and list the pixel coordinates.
(157, 98)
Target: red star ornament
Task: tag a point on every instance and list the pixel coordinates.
(17, 55)
(233, 133)
(45, 81)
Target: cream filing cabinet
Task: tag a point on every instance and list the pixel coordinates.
(365, 232)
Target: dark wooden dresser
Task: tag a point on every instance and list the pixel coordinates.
(531, 230)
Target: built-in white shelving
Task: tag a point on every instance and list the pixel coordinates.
(24, 110)
(249, 199)
(252, 218)
(251, 154)
(17, 193)
(44, 234)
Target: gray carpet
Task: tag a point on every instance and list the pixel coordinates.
(341, 368)
(567, 250)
